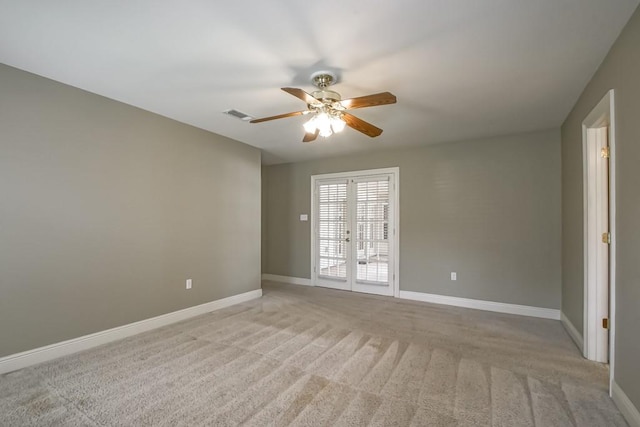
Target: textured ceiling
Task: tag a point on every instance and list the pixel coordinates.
(460, 69)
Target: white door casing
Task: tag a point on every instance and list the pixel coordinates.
(354, 231)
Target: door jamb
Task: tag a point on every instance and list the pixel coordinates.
(602, 115)
(395, 171)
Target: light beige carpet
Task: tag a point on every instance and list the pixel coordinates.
(309, 356)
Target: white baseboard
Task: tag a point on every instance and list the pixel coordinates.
(43, 354)
(499, 307)
(523, 310)
(573, 332)
(287, 279)
(628, 410)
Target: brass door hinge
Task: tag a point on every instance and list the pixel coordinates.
(606, 238)
(604, 153)
(605, 323)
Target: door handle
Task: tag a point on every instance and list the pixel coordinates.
(347, 240)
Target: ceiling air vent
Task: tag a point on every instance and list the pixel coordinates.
(238, 114)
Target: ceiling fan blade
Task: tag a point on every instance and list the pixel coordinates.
(310, 137)
(279, 116)
(360, 125)
(299, 93)
(382, 98)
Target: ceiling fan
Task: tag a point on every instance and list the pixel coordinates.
(329, 109)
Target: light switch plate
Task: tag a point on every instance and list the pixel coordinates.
(454, 275)
(304, 217)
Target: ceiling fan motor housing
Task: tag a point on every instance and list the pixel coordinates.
(326, 96)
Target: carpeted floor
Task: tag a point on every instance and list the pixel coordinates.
(310, 356)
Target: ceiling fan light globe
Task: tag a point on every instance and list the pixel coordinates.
(323, 124)
(323, 120)
(310, 126)
(325, 132)
(337, 124)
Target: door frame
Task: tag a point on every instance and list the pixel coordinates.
(602, 115)
(395, 240)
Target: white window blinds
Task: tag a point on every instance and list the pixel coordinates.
(332, 229)
(372, 236)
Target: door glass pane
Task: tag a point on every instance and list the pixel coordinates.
(332, 230)
(372, 231)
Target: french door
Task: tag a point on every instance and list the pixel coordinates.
(353, 233)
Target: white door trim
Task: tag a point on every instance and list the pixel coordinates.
(395, 171)
(602, 115)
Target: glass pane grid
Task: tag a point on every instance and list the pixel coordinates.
(373, 262)
(372, 234)
(373, 190)
(332, 230)
(376, 273)
(336, 268)
(333, 249)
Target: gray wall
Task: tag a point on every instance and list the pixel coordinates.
(489, 210)
(620, 71)
(106, 209)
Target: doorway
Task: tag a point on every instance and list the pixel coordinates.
(599, 232)
(354, 231)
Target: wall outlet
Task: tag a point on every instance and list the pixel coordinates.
(189, 283)
(454, 275)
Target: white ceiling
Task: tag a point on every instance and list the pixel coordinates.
(460, 69)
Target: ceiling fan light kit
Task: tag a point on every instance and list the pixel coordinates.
(329, 109)
(325, 123)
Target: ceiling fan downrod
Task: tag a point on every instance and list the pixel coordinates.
(323, 79)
